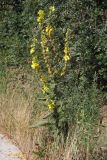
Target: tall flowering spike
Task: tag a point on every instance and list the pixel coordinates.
(66, 56)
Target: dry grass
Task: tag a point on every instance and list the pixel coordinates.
(16, 108)
(19, 109)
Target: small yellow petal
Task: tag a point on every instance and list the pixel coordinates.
(52, 8)
(66, 58)
(35, 66)
(47, 49)
(66, 50)
(45, 89)
(51, 105)
(49, 30)
(41, 13)
(32, 50)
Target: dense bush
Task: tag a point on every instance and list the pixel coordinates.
(16, 19)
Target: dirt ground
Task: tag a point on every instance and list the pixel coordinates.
(9, 151)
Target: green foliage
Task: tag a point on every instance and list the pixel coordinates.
(2, 78)
(16, 20)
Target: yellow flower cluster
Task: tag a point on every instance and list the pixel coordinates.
(47, 50)
(41, 17)
(35, 65)
(66, 58)
(32, 50)
(49, 30)
(66, 53)
(41, 14)
(51, 105)
(45, 89)
(66, 49)
(45, 33)
(52, 9)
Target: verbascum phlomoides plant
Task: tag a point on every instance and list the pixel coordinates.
(49, 60)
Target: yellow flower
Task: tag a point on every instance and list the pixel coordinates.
(49, 30)
(51, 105)
(35, 65)
(66, 50)
(47, 50)
(52, 8)
(32, 50)
(45, 89)
(41, 16)
(41, 13)
(66, 58)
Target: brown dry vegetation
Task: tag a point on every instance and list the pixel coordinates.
(19, 110)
